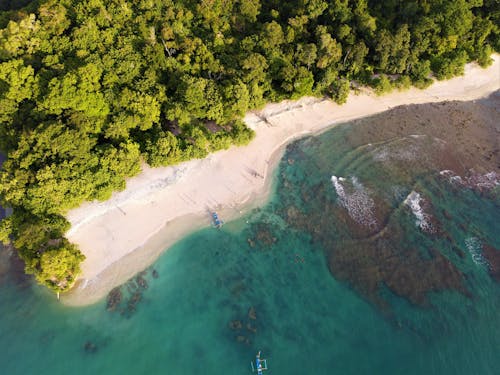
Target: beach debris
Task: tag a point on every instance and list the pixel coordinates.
(89, 347)
(114, 299)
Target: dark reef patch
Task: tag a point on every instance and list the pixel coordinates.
(371, 195)
(492, 255)
(127, 297)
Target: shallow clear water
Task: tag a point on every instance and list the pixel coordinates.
(196, 317)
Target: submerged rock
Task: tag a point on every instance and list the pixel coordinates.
(252, 314)
(243, 340)
(240, 338)
(447, 215)
(492, 255)
(114, 299)
(251, 328)
(235, 324)
(458, 251)
(141, 281)
(133, 301)
(90, 348)
(131, 286)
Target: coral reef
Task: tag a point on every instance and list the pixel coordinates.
(245, 328)
(492, 255)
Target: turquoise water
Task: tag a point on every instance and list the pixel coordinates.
(331, 291)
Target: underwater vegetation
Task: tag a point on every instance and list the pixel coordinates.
(381, 200)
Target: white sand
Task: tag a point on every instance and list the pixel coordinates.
(125, 234)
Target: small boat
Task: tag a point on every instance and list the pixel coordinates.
(260, 364)
(216, 220)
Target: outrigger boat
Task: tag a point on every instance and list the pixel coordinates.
(260, 364)
(217, 222)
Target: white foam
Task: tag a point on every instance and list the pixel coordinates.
(339, 188)
(486, 181)
(422, 219)
(356, 200)
(452, 177)
(473, 245)
(397, 152)
(446, 172)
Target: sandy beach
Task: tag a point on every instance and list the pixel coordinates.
(127, 233)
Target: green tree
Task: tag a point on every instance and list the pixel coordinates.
(91, 88)
(306, 54)
(19, 38)
(330, 51)
(17, 83)
(339, 90)
(59, 266)
(393, 50)
(272, 37)
(5, 231)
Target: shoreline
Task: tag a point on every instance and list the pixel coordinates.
(127, 233)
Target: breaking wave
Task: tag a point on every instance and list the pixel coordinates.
(473, 245)
(476, 181)
(413, 200)
(356, 200)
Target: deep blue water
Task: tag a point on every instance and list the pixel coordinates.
(311, 267)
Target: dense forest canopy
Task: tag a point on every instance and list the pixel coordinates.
(13, 4)
(89, 89)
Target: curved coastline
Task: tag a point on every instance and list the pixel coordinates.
(127, 233)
